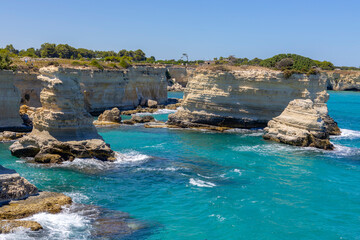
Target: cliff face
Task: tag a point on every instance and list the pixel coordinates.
(300, 124)
(125, 89)
(343, 80)
(30, 87)
(9, 103)
(181, 74)
(62, 128)
(244, 98)
(106, 89)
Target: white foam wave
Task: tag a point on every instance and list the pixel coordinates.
(201, 183)
(238, 171)
(131, 157)
(167, 169)
(77, 197)
(64, 225)
(218, 217)
(165, 111)
(344, 151)
(347, 134)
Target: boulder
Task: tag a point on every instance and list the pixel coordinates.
(112, 115)
(14, 187)
(9, 226)
(152, 103)
(300, 124)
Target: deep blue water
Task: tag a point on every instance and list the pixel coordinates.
(185, 184)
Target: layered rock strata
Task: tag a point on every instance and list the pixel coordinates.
(125, 89)
(243, 97)
(343, 80)
(30, 87)
(300, 124)
(10, 119)
(62, 128)
(14, 187)
(109, 117)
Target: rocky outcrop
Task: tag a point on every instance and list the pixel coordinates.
(7, 136)
(14, 187)
(300, 124)
(8, 226)
(243, 97)
(139, 119)
(10, 119)
(125, 89)
(342, 80)
(109, 117)
(62, 128)
(175, 87)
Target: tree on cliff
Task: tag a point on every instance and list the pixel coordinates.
(48, 50)
(5, 62)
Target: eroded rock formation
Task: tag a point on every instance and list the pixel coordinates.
(342, 80)
(300, 124)
(62, 128)
(9, 104)
(14, 187)
(125, 89)
(243, 97)
(109, 117)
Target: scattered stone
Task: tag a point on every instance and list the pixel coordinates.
(300, 124)
(139, 119)
(176, 87)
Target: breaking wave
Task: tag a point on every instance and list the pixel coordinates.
(201, 183)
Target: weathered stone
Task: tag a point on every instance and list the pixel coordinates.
(300, 124)
(44, 202)
(10, 119)
(8, 226)
(243, 97)
(109, 117)
(152, 103)
(62, 125)
(14, 187)
(139, 119)
(48, 158)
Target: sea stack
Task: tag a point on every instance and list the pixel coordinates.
(10, 98)
(243, 97)
(300, 124)
(62, 128)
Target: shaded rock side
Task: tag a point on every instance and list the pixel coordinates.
(10, 119)
(342, 80)
(243, 97)
(300, 124)
(14, 187)
(62, 125)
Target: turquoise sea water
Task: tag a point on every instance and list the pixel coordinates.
(185, 184)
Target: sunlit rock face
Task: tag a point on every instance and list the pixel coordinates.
(62, 128)
(125, 89)
(244, 97)
(300, 124)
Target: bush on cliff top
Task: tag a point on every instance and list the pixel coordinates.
(5, 62)
(95, 63)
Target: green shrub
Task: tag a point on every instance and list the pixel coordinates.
(312, 71)
(124, 64)
(95, 63)
(76, 63)
(300, 63)
(113, 65)
(5, 62)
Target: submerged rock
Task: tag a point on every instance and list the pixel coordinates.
(300, 124)
(14, 187)
(62, 126)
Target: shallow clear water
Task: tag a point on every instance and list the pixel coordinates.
(185, 184)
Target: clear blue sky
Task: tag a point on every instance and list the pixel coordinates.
(323, 30)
